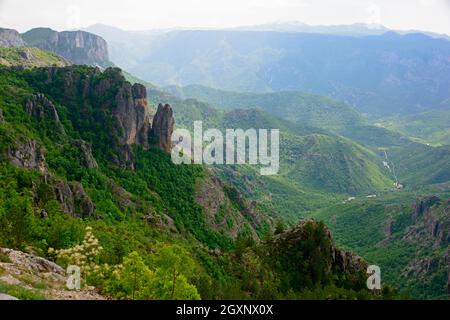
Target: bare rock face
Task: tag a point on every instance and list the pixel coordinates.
(73, 199)
(40, 276)
(429, 226)
(221, 213)
(87, 159)
(41, 108)
(132, 114)
(162, 128)
(348, 262)
(423, 205)
(28, 154)
(10, 38)
(77, 46)
(31, 262)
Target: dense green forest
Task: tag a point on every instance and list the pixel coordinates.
(141, 219)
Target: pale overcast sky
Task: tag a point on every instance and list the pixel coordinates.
(427, 15)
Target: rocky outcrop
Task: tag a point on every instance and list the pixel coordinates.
(10, 38)
(429, 226)
(132, 114)
(421, 206)
(31, 262)
(86, 157)
(28, 154)
(162, 128)
(42, 109)
(312, 240)
(109, 99)
(229, 216)
(348, 262)
(73, 199)
(77, 46)
(39, 276)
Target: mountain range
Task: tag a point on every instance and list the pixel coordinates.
(377, 74)
(85, 144)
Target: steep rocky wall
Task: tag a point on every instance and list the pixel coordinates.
(10, 38)
(77, 46)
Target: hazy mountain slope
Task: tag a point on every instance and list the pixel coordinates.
(302, 108)
(10, 38)
(415, 164)
(355, 29)
(78, 47)
(430, 127)
(316, 166)
(383, 74)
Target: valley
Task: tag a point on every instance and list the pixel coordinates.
(85, 142)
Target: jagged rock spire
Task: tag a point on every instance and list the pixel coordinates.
(162, 128)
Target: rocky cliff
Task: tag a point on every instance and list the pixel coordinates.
(162, 128)
(77, 46)
(10, 38)
(111, 106)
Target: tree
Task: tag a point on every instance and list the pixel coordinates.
(17, 221)
(132, 279)
(174, 267)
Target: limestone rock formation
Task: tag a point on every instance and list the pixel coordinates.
(162, 128)
(429, 226)
(421, 206)
(28, 154)
(87, 159)
(347, 261)
(10, 38)
(39, 276)
(77, 46)
(223, 214)
(41, 108)
(73, 199)
(110, 94)
(132, 114)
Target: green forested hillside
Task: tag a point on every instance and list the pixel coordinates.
(298, 107)
(406, 234)
(316, 166)
(429, 127)
(67, 174)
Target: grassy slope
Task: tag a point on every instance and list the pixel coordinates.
(430, 127)
(299, 107)
(156, 186)
(30, 57)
